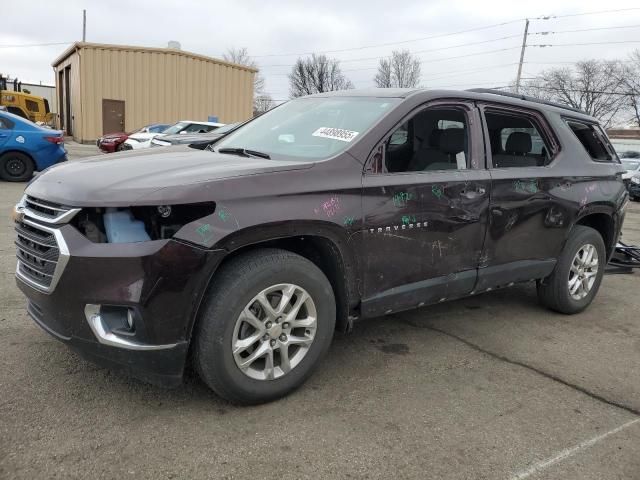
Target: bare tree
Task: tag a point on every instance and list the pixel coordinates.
(596, 87)
(262, 103)
(401, 70)
(316, 74)
(241, 57)
(631, 81)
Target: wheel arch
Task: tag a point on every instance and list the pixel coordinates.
(601, 220)
(326, 245)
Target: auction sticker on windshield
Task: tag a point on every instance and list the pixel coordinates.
(335, 134)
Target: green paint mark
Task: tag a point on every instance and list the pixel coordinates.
(204, 231)
(526, 186)
(348, 221)
(437, 191)
(401, 199)
(224, 215)
(407, 219)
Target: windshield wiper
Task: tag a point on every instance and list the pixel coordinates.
(245, 152)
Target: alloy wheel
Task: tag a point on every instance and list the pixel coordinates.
(583, 272)
(274, 332)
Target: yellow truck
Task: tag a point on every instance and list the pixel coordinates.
(25, 105)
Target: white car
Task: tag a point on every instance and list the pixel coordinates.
(143, 140)
(631, 165)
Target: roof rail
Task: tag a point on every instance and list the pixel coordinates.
(525, 97)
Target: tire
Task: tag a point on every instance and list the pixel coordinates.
(233, 291)
(120, 147)
(554, 291)
(16, 167)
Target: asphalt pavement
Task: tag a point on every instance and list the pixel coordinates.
(490, 387)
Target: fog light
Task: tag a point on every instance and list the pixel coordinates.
(114, 326)
(130, 319)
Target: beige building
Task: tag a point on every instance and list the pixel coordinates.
(109, 88)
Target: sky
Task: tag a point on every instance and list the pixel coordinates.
(356, 32)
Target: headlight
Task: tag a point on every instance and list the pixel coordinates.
(635, 180)
(136, 224)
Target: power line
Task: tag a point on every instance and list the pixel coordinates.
(584, 30)
(543, 45)
(442, 35)
(413, 53)
(25, 45)
(548, 17)
(459, 32)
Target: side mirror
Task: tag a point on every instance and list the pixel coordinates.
(287, 138)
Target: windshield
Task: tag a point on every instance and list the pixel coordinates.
(226, 128)
(631, 164)
(177, 128)
(313, 128)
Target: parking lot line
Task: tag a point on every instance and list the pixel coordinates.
(569, 452)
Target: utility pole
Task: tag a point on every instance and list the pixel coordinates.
(84, 26)
(524, 46)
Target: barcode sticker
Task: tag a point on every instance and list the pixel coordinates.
(335, 134)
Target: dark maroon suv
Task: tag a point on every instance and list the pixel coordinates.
(246, 258)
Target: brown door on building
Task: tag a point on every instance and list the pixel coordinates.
(112, 116)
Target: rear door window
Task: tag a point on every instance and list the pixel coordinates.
(515, 140)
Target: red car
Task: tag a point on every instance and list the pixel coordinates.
(112, 142)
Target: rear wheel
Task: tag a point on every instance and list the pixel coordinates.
(578, 274)
(268, 320)
(16, 167)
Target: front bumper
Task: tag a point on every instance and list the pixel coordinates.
(107, 147)
(161, 281)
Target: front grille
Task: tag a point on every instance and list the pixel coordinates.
(38, 254)
(43, 208)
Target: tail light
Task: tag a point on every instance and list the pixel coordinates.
(56, 140)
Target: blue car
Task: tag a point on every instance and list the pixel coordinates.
(26, 147)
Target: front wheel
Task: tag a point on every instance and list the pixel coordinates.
(267, 321)
(578, 274)
(16, 167)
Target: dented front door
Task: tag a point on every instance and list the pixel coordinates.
(424, 232)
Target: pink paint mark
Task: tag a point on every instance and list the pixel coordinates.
(590, 188)
(331, 206)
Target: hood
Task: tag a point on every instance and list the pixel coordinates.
(125, 179)
(114, 135)
(194, 137)
(144, 136)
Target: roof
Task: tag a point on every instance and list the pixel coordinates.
(106, 46)
(199, 122)
(494, 96)
(371, 92)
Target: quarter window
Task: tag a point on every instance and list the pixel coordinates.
(516, 141)
(433, 139)
(591, 139)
